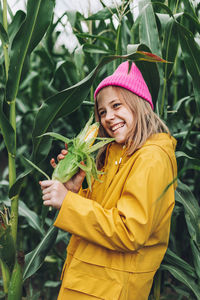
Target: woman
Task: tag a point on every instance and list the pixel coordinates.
(120, 229)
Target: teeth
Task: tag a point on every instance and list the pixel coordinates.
(117, 126)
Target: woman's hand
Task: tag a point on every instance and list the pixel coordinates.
(59, 157)
(75, 183)
(54, 193)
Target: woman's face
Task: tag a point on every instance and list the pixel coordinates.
(115, 115)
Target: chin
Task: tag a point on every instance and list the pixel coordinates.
(119, 141)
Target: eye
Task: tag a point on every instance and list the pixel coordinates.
(116, 105)
(102, 112)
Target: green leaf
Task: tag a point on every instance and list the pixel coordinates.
(105, 13)
(182, 154)
(3, 35)
(31, 217)
(196, 257)
(79, 56)
(109, 42)
(39, 16)
(191, 56)
(57, 136)
(148, 28)
(14, 26)
(100, 144)
(172, 259)
(35, 258)
(7, 131)
(184, 278)
(163, 7)
(95, 49)
(7, 250)
(170, 46)
(182, 101)
(184, 196)
(36, 167)
(16, 187)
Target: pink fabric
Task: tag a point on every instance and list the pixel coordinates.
(132, 81)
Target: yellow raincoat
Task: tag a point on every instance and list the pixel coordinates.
(120, 230)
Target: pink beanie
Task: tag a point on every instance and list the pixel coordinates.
(132, 81)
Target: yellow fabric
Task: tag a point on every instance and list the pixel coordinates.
(120, 229)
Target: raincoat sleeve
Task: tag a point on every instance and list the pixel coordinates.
(145, 205)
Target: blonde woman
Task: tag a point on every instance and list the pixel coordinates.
(120, 229)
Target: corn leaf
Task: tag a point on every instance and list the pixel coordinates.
(191, 55)
(196, 257)
(3, 35)
(31, 217)
(148, 28)
(103, 14)
(35, 258)
(36, 167)
(14, 26)
(184, 278)
(7, 131)
(175, 260)
(100, 144)
(7, 251)
(184, 196)
(57, 136)
(170, 46)
(39, 16)
(110, 43)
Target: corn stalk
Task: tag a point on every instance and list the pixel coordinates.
(23, 43)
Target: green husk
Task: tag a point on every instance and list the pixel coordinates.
(79, 150)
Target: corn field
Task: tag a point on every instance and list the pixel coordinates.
(44, 87)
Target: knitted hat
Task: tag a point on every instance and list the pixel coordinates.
(132, 81)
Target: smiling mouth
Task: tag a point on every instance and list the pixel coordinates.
(117, 126)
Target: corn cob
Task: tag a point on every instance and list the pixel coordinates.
(79, 149)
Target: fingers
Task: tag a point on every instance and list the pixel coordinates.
(53, 163)
(62, 154)
(46, 190)
(59, 157)
(53, 192)
(46, 183)
(47, 203)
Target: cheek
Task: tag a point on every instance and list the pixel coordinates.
(103, 128)
(103, 123)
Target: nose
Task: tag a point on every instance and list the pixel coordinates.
(109, 115)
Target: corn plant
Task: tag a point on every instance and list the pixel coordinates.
(79, 154)
(33, 70)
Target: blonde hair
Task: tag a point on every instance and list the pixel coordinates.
(146, 123)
